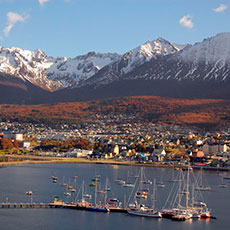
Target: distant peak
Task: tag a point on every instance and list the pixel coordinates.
(160, 39)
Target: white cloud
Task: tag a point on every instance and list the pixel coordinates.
(221, 8)
(186, 21)
(41, 2)
(12, 19)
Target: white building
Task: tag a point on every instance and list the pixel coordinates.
(15, 136)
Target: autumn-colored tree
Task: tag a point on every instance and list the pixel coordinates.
(6, 144)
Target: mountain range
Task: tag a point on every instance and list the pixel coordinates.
(157, 67)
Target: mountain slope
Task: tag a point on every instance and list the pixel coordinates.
(131, 60)
(16, 91)
(51, 73)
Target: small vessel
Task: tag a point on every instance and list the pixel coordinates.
(88, 196)
(93, 185)
(222, 185)
(147, 182)
(95, 179)
(203, 188)
(226, 177)
(142, 194)
(29, 193)
(67, 194)
(128, 184)
(160, 184)
(181, 217)
(97, 208)
(201, 185)
(120, 181)
(142, 210)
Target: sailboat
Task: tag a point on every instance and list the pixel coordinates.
(222, 185)
(177, 211)
(139, 208)
(112, 203)
(201, 185)
(173, 177)
(188, 210)
(83, 203)
(98, 207)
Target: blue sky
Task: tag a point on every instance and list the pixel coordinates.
(74, 27)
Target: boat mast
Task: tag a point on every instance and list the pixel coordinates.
(154, 193)
(187, 188)
(95, 195)
(106, 187)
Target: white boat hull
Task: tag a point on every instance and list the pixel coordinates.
(144, 213)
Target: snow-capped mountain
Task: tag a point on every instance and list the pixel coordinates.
(52, 73)
(62, 72)
(133, 59)
(145, 53)
(209, 59)
(154, 68)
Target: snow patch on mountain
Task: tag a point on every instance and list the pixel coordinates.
(210, 51)
(146, 52)
(52, 73)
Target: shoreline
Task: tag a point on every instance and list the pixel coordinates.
(23, 160)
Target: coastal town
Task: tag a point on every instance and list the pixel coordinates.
(107, 139)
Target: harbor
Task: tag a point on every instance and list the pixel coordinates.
(135, 192)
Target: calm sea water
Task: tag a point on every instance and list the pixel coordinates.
(16, 180)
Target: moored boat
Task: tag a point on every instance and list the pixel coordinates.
(144, 211)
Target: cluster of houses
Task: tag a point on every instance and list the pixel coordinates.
(127, 142)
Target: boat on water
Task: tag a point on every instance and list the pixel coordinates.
(173, 177)
(161, 185)
(226, 177)
(114, 205)
(181, 217)
(120, 181)
(93, 185)
(97, 208)
(67, 193)
(142, 210)
(139, 207)
(201, 186)
(189, 208)
(128, 184)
